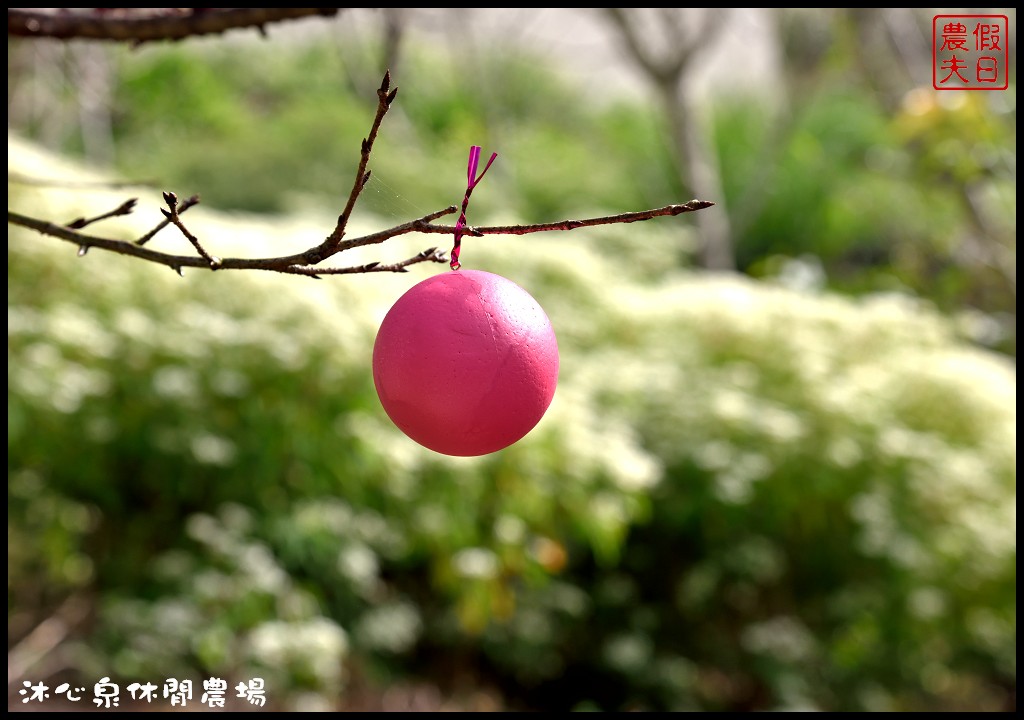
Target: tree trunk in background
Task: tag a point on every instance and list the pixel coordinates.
(698, 170)
(93, 74)
(393, 32)
(669, 70)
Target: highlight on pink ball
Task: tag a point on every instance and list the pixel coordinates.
(466, 363)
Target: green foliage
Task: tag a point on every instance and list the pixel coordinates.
(819, 522)
(246, 130)
(742, 497)
(923, 201)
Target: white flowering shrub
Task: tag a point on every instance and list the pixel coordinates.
(831, 523)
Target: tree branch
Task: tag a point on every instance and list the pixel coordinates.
(124, 208)
(668, 210)
(307, 263)
(385, 96)
(172, 216)
(194, 200)
(304, 263)
(139, 25)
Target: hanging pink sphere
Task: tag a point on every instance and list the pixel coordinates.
(465, 363)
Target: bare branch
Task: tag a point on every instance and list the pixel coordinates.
(194, 200)
(303, 263)
(172, 215)
(89, 241)
(139, 25)
(429, 255)
(423, 225)
(385, 96)
(124, 208)
(288, 263)
(307, 263)
(668, 210)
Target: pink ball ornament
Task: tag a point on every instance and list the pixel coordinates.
(465, 363)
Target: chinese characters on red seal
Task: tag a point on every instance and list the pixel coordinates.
(970, 52)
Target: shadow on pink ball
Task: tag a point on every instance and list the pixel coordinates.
(465, 363)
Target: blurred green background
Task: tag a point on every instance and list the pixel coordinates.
(779, 471)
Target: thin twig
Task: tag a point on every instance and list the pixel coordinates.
(428, 255)
(429, 228)
(668, 210)
(124, 208)
(189, 202)
(385, 96)
(172, 214)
